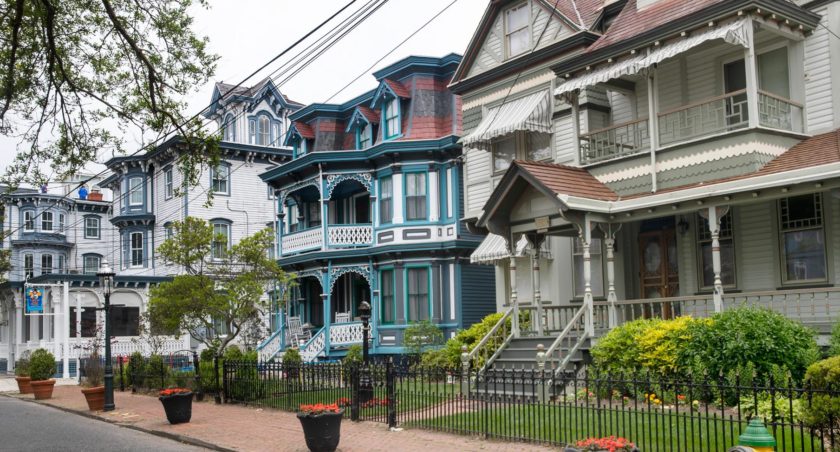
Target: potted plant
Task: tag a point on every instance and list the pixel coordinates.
(606, 444)
(92, 385)
(177, 403)
(321, 426)
(41, 370)
(22, 374)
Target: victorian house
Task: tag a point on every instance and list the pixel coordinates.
(369, 211)
(646, 158)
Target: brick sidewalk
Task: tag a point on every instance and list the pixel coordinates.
(253, 429)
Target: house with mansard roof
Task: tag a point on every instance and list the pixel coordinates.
(660, 158)
(369, 210)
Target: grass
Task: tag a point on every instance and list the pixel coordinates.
(564, 424)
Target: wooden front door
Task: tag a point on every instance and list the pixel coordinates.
(659, 270)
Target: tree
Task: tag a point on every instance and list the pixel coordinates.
(209, 292)
(73, 70)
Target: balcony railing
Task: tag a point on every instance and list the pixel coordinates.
(708, 117)
(777, 112)
(297, 242)
(615, 141)
(350, 235)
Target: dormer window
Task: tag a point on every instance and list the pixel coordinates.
(517, 30)
(230, 128)
(264, 133)
(364, 136)
(392, 118)
(263, 130)
(300, 148)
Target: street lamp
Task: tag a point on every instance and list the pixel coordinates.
(106, 283)
(365, 383)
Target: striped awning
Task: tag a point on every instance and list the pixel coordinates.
(733, 33)
(530, 113)
(494, 248)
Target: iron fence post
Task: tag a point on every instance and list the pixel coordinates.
(225, 382)
(354, 393)
(122, 374)
(199, 395)
(390, 388)
(218, 387)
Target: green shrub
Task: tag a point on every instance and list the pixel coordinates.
(750, 335)
(618, 351)
(823, 412)
(233, 353)
(155, 372)
(94, 373)
(41, 365)
(22, 365)
(421, 336)
(135, 369)
(208, 354)
(247, 384)
(291, 358)
(834, 341)
(354, 357)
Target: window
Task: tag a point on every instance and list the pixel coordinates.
(504, 152)
(773, 72)
(264, 134)
(135, 191)
(46, 221)
(92, 228)
(88, 322)
(28, 221)
(803, 238)
(61, 264)
(418, 294)
(386, 200)
(252, 131)
(125, 321)
(539, 147)
(168, 232)
(220, 179)
(364, 137)
(91, 264)
(46, 264)
(168, 183)
(136, 249)
(386, 291)
(597, 279)
(314, 209)
(28, 266)
(60, 228)
(230, 128)
(727, 252)
(415, 196)
(392, 118)
(275, 133)
(294, 218)
(517, 34)
(221, 240)
(270, 192)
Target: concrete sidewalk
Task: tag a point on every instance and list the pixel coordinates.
(240, 428)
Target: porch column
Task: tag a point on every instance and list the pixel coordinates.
(714, 214)
(611, 296)
(513, 301)
(535, 259)
(281, 229)
(18, 326)
(573, 99)
(751, 75)
(434, 195)
(65, 328)
(653, 125)
(325, 216)
(586, 240)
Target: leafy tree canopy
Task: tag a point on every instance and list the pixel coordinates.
(210, 292)
(72, 71)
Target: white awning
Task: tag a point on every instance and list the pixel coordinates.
(733, 33)
(530, 113)
(494, 248)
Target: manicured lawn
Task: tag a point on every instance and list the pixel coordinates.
(565, 424)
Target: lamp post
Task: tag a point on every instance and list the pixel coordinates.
(365, 383)
(106, 282)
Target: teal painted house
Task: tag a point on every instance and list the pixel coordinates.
(369, 209)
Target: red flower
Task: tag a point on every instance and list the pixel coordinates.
(173, 391)
(319, 408)
(610, 443)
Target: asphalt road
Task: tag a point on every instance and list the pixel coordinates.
(26, 426)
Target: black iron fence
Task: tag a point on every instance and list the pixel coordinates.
(534, 406)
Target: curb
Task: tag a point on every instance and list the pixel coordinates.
(180, 438)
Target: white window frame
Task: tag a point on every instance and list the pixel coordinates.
(28, 221)
(391, 116)
(389, 198)
(263, 130)
(229, 125)
(62, 261)
(215, 252)
(135, 191)
(47, 269)
(132, 249)
(96, 227)
(214, 173)
(47, 221)
(509, 33)
(61, 223)
(424, 177)
(28, 270)
(168, 183)
(365, 139)
(86, 269)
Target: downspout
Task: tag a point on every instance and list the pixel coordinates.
(247, 220)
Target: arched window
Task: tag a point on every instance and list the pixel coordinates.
(264, 132)
(230, 128)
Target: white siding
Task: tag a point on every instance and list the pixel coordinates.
(819, 105)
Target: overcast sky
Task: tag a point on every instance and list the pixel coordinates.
(248, 33)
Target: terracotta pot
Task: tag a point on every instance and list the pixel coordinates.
(94, 196)
(23, 385)
(43, 389)
(95, 398)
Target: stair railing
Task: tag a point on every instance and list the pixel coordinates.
(577, 324)
(492, 344)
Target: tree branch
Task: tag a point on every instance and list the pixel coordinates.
(10, 67)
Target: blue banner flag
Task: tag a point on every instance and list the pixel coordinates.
(34, 300)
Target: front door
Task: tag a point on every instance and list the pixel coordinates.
(659, 270)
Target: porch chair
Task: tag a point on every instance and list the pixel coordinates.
(342, 317)
(296, 331)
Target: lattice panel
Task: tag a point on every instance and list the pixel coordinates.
(357, 235)
(301, 241)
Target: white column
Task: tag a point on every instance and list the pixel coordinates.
(399, 197)
(513, 300)
(18, 328)
(751, 74)
(434, 196)
(65, 328)
(78, 321)
(450, 194)
(714, 216)
(612, 298)
(535, 259)
(586, 240)
(653, 125)
(573, 99)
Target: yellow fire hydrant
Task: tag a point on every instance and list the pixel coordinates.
(757, 437)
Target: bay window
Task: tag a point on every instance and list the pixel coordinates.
(415, 196)
(386, 290)
(46, 221)
(418, 294)
(28, 221)
(136, 249)
(386, 200)
(135, 191)
(46, 264)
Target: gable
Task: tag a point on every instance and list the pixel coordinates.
(489, 51)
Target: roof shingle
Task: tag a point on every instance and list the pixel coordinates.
(568, 180)
(304, 130)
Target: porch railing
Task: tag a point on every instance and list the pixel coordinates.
(297, 242)
(555, 318)
(350, 235)
(568, 342)
(121, 346)
(615, 141)
(491, 345)
(779, 113)
(707, 117)
(315, 347)
(269, 347)
(346, 333)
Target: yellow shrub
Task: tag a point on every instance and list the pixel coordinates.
(659, 347)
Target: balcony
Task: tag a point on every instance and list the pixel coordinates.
(710, 117)
(298, 242)
(349, 235)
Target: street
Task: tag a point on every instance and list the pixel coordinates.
(25, 426)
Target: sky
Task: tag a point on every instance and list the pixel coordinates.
(248, 33)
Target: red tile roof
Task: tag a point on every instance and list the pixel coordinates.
(398, 89)
(631, 21)
(370, 114)
(568, 180)
(304, 130)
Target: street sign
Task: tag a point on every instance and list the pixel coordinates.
(34, 300)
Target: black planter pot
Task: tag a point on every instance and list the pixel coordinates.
(178, 407)
(322, 431)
